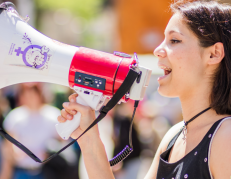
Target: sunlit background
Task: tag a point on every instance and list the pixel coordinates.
(107, 25)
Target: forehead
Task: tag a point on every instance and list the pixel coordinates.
(176, 24)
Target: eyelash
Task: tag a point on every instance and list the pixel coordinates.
(173, 41)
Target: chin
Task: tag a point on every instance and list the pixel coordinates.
(166, 92)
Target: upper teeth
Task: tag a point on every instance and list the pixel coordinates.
(165, 68)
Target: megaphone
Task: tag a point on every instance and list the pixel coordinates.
(29, 56)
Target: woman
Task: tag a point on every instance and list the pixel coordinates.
(196, 58)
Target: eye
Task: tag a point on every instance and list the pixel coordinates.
(174, 41)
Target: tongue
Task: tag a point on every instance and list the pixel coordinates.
(166, 72)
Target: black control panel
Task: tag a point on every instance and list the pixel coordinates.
(89, 80)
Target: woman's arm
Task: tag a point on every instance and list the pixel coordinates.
(92, 148)
(95, 159)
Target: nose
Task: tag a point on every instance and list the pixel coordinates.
(160, 51)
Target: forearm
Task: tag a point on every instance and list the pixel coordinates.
(92, 148)
(95, 159)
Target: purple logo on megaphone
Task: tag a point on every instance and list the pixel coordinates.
(34, 55)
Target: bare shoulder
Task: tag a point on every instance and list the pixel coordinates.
(220, 156)
(162, 147)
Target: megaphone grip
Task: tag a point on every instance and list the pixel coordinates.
(65, 129)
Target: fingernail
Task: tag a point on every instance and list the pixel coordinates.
(61, 118)
(74, 112)
(72, 100)
(66, 104)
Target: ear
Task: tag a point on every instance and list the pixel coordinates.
(217, 53)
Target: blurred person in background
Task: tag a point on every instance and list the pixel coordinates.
(33, 125)
(195, 56)
(4, 108)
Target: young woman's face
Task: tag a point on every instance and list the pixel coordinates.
(182, 58)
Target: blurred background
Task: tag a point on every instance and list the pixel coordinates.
(108, 25)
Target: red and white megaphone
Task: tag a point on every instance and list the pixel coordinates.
(29, 56)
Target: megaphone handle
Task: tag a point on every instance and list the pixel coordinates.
(65, 129)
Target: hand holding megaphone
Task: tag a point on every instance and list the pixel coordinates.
(89, 101)
(71, 109)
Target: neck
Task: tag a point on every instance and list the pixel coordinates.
(35, 107)
(193, 104)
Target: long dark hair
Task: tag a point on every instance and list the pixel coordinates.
(211, 23)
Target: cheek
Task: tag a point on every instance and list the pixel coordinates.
(190, 71)
(186, 66)
(178, 65)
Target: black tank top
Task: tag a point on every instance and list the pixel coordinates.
(194, 165)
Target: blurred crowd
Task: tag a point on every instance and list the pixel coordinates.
(29, 111)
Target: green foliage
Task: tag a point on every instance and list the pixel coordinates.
(83, 8)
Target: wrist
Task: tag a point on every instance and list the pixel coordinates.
(89, 140)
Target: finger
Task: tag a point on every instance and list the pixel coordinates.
(72, 112)
(72, 98)
(68, 106)
(61, 119)
(66, 115)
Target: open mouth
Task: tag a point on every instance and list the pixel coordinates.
(167, 70)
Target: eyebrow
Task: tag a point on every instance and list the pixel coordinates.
(173, 31)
